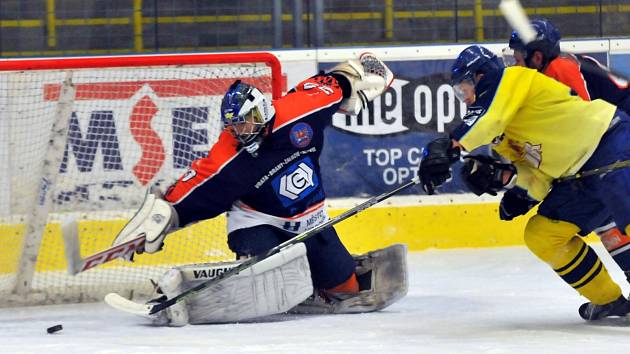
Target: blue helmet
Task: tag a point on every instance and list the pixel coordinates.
(547, 40)
(472, 60)
(243, 104)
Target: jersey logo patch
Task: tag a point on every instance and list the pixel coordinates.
(190, 174)
(473, 114)
(301, 135)
(298, 181)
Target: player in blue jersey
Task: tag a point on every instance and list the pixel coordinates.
(543, 134)
(264, 172)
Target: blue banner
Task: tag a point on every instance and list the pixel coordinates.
(381, 147)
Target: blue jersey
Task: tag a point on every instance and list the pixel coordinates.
(283, 180)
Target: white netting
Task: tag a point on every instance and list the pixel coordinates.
(128, 128)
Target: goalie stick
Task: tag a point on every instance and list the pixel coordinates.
(151, 309)
(76, 264)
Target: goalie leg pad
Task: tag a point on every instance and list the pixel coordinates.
(382, 276)
(269, 287)
(171, 285)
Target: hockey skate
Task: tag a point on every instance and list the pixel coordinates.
(592, 312)
(382, 277)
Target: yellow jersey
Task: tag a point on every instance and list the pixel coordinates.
(534, 121)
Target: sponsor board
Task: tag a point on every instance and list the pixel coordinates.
(149, 129)
(123, 135)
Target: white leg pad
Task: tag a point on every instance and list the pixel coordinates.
(170, 284)
(271, 286)
(383, 280)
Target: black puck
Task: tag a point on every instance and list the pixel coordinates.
(53, 329)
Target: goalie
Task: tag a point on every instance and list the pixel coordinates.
(264, 172)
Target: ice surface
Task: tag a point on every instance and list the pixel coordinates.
(500, 300)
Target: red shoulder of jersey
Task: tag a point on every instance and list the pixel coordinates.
(222, 152)
(309, 96)
(567, 71)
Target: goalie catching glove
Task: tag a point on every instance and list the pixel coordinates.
(154, 220)
(369, 77)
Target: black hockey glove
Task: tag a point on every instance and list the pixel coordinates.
(515, 202)
(485, 174)
(435, 167)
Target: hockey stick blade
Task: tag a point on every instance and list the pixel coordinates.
(120, 303)
(299, 238)
(515, 16)
(76, 264)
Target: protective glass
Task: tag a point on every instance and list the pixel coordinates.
(507, 54)
(465, 90)
(519, 57)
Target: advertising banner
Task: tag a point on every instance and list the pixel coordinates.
(381, 147)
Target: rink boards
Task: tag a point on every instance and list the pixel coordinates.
(365, 156)
(420, 222)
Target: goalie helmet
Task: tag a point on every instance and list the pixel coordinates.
(245, 111)
(471, 61)
(547, 41)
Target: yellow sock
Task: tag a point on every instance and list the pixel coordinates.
(555, 242)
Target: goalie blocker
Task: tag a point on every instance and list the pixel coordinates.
(278, 284)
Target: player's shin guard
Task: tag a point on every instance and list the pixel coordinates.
(574, 261)
(617, 244)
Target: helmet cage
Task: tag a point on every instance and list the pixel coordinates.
(245, 111)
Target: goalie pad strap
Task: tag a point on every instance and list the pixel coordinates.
(273, 285)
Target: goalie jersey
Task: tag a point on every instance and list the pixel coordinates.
(282, 185)
(534, 121)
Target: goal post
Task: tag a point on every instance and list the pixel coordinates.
(83, 138)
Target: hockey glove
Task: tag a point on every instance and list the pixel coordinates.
(484, 174)
(515, 202)
(435, 167)
(368, 76)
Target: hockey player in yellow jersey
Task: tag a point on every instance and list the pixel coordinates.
(542, 134)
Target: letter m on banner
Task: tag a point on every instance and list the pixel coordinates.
(138, 130)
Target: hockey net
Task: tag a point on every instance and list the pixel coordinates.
(83, 139)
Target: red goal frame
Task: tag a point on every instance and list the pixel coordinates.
(24, 64)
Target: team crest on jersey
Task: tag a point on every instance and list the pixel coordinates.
(297, 182)
(190, 174)
(301, 135)
(532, 153)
